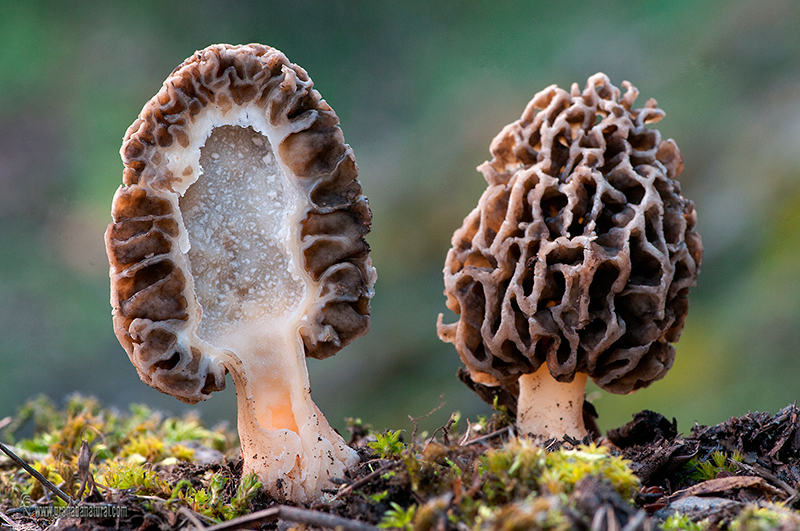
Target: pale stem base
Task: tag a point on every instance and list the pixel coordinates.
(550, 408)
(285, 438)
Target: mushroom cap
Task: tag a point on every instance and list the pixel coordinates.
(154, 294)
(581, 251)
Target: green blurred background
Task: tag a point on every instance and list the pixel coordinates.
(421, 89)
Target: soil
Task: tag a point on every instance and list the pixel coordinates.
(757, 461)
(768, 469)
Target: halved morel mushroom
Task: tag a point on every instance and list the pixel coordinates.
(237, 244)
(578, 258)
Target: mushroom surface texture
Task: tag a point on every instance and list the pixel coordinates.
(578, 259)
(237, 245)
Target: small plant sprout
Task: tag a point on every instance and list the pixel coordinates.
(387, 444)
(237, 245)
(398, 518)
(705, 469)
(209, 501)
(578, 259)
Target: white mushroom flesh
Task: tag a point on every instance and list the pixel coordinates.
(242, 216)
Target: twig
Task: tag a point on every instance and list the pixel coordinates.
(84, 461)
(9, 522)
(467, 434)
(308, 517)
(428, 414)
(445, 430)
(637, 522)
(14, 525)
(35, 473)
(191, 516)
(604, 514)
(766, 474)
(296, 515)
(489, 436)
(366, 479)
(477, 480)
(258, 517)
(713, 486)
(21, 453)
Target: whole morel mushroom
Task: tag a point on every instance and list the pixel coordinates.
(578, 259)
(237, 244)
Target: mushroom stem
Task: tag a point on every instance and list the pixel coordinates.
(238, 246)
(551, 408)
(285, 439)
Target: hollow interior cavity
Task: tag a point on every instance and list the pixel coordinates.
(235, 215)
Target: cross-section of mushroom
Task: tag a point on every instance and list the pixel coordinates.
(578, 259)
(237, 244)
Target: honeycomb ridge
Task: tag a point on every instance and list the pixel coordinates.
(581, 251)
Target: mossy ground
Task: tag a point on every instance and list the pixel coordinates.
(173, 472)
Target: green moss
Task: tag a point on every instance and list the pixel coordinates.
(765, 518)
(398, 518)
(210, 500)
(519, 485)
(678, 522)
(521, 468)
(34, 490)
(387, 444)
(536, 513)
(125, 475)
(128, 452)
(710, 467)
(142, 435)
(516, 486)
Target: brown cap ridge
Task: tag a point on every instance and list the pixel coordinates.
(581, 251)
(154, 303)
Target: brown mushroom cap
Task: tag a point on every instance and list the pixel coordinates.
(157, 299)
(581, 251)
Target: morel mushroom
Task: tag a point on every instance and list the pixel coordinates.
(237, 244)
(578, 260)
